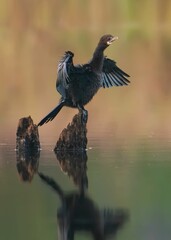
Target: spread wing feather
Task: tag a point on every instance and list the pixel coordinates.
(113, 75)
(67, 72)
(64, 67)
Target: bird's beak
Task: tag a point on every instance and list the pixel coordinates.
(112, 40)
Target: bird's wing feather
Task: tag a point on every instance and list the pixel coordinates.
(113, 75)
(64, 67)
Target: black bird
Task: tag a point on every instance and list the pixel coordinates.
(77, 84)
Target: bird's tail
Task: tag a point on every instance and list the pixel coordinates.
(52, 114)
(49, 181)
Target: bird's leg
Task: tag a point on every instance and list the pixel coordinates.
(84, 113)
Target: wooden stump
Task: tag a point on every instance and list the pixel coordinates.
(71, 153)
(27, 135)
(74, 137)
(27, 149)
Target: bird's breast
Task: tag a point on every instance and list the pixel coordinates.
(84, 88)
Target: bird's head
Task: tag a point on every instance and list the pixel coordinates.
(107, 40)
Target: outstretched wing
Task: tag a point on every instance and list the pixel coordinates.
(112, 75)
(64, 68)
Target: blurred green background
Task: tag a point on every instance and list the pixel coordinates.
(35, 34)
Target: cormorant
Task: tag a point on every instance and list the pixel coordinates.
(77, 84)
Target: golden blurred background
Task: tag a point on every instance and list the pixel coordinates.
(35, 34)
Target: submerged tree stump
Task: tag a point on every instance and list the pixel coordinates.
(27, 149)
(71, 153)
(74, 137)
(27, 135)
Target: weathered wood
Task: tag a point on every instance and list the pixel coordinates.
(27, 135)
(71, 153)
(27, 148)
(74, 137)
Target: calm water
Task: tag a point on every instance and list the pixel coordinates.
(133, 178)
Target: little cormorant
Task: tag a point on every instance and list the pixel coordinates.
(77, 84)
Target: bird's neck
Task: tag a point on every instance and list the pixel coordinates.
(97, 60)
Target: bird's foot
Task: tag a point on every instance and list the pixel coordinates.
(84, 116)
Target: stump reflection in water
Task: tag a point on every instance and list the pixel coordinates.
(71, 152)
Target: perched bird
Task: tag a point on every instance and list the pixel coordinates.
(77, 84)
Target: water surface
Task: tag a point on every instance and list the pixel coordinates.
(120, 175)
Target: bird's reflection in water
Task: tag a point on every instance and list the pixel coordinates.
(79, 212)
(27, 164)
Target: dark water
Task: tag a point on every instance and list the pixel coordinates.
(132, 178)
